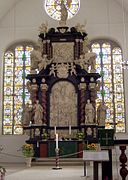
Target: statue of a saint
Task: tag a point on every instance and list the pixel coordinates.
(92, 61)
(27, 115)
(64, 14)
(89, 113)
(38, 116)
(101, 114)
(83, 61)
(43, 63)
(28, 85)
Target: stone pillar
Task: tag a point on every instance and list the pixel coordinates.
(93, 91)
(81, 46)
(44, 47)
(82, 88)
(76, 50)
(43, 88)
(48, 50)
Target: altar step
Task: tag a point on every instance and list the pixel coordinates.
(62, 161)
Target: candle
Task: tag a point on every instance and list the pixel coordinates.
(55, 129)
(70, 130)
(56, 141)
(37, 144)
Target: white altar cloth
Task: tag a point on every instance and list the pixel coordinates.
(95, 155)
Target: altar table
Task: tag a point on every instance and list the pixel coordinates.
(96, 157)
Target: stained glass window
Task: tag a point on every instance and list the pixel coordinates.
(16, 67)
(109, 65)
(53, 8)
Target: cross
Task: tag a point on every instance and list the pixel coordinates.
(106, 138)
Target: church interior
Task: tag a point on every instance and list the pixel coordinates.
(64, 66)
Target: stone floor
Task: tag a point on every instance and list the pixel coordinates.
(21, 172)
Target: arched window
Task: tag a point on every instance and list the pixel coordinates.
(109, 66)
(15, 94)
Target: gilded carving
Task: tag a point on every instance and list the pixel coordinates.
(62, 70)
(63, 52)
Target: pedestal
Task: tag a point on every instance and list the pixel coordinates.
(95, 156)
(28, 161)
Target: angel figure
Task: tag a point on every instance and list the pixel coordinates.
(52, 70)
(72, 67)
(36, 57)
(80, 28)
(83, 62)
(43, 28)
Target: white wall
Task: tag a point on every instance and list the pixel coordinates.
(12, 148)
(104, 19)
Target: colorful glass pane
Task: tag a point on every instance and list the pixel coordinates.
(109, 65)
(16, 67)
(53, 8)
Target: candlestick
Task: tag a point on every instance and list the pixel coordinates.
(56, 141)
(55, 129)
(70, 129)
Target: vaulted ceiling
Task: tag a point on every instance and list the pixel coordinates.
(7, 5)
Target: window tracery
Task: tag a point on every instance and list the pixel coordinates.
(109, 66)
(53, 8)
(15, 93)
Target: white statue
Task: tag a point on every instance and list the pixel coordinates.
(43, 63)
(38, 116)
(52, 70)
(80, 28)
(84, 62)
(101, 114)
(64, 14)
(43, 28)
(72, 67)
(36, 57)
(27, 115)
(92, 62)
(89, 113)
